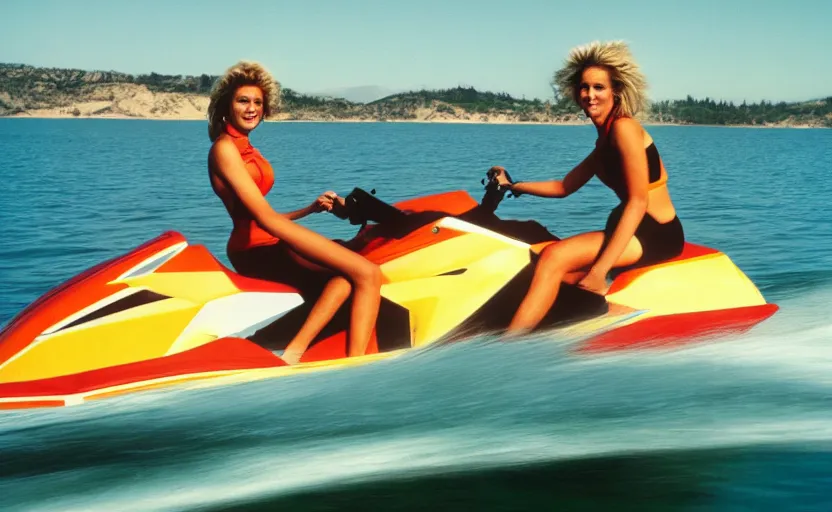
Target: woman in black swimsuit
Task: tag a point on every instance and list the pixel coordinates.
(604, 80)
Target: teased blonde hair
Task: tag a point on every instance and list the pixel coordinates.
(628, 83)
(242, 73)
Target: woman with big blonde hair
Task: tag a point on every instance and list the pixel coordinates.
(605, 81)
(269, 245)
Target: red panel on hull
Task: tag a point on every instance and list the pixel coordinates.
(671, 330)
(380, 251)
(249, 284)
(335, 347)
(32, 404)
(219, 355)
(194, 258)
(454, 203)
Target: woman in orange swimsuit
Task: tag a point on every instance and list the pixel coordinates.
(267, 244)
(604, 80)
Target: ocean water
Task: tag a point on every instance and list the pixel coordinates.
(740, 424)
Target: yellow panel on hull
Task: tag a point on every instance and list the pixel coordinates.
(448, 255)
(419, 308)
(144, 332)
(701, 284)
(197, 287)
(451, 299)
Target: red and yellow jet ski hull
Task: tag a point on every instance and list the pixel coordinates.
(169, 312)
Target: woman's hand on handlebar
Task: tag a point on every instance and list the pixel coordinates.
(338, 207)
(325, 202)
(499, 174)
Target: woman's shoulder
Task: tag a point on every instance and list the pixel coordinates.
(223, 146)
(222, 138)
(627, 129)
(222, 143)
(627, 123)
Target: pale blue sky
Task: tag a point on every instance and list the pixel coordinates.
(724, 49)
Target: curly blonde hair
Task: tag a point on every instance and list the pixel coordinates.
(240, 74)
(628, 83)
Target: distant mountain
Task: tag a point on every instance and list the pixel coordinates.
(359, 94)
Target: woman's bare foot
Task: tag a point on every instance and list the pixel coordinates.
(291, 357)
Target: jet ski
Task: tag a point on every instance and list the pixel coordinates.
(168, 312)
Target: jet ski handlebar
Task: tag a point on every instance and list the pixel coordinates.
(494, 192)
(361, 207)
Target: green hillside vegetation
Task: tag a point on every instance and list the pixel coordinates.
(24, 88)
(708, 111)
(469, 100)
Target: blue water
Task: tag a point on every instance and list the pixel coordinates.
(742, 424)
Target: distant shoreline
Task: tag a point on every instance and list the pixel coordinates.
(406, 121)
(28, 91)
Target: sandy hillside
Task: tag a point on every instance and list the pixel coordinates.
(126, 101)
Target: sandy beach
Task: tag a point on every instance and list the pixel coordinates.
(134, 101)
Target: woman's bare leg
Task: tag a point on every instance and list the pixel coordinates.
(365, 305)
(333, 296)
(363, 279)
(555, 263)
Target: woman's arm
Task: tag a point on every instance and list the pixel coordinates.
(229, 165)
(572, 182)
(299, 214)
(628, 139)
(321, 204)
